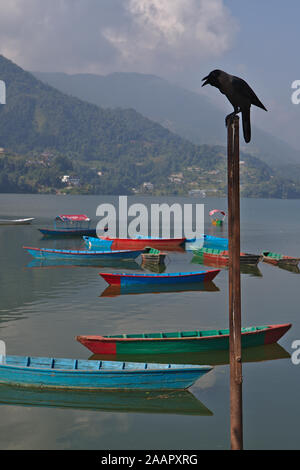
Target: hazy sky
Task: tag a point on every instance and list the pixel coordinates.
(181, 40)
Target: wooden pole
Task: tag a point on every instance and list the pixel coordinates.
(235, 350)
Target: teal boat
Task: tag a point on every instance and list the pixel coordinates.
(79, 374)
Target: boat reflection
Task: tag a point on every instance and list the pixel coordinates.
(88, 263)
(289, 267)
(252, 270)
(214, 358)
(154, 267)
(174, 402)
(113, 290)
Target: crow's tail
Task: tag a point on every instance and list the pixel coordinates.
(246, 124)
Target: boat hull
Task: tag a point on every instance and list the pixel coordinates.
(157, 344)
(206, 241)
(221, 258)
(16, 221)
(161, 279)
(280, 260)
(44, 253)
(71, 232)
(168, 244)
(113, 290)
(97, 375)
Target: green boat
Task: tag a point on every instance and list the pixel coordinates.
(269, 352)
(181, 342)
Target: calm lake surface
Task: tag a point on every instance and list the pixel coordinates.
(42, 309)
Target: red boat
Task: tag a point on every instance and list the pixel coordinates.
(169, 244)
(278, 259)
(181, 341)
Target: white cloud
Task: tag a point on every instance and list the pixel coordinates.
(152, 36)
(170, 33)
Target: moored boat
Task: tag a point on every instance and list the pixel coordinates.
(206, 241)
(140, 243)
(78, 374)
(70, 225)
(125, 279)
(152, 255)
(49, 253)
(221, 257)
(16, 221)
(182, 341)
(250, 269)
(141, 289)
(278, 259)
(268, 352)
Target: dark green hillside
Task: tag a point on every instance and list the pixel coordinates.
(38, 117)
(54, 142)
(191, 115)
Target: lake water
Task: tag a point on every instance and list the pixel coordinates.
(42, 309)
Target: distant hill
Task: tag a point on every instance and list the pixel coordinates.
(46, 134)
(37, 116)
(186, 113)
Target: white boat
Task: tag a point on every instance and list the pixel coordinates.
(16, 221)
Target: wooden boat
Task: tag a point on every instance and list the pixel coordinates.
(278, 259)
(221, 257)
(137, 289)
(152, 255)
(122, 279)
(289, 267)
(250, 269)
(110, 243)
(180, 342)
(76, 225)
(154, 267)
(206, 241)
(268, 352)
(16, 221)
(78, 374)
(51, 253)
(178, 402)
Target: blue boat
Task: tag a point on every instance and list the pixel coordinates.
(138, 243)
(93, 243)
(125, 279)
(80, 374)
(75, 225)
(49, 253)
(206, 241)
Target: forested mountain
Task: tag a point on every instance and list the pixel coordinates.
(49, 139)
(186, 113)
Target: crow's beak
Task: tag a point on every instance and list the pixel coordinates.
(206, 81)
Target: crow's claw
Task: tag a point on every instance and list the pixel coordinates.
(229, 119)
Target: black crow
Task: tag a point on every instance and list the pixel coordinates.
(240, 95)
